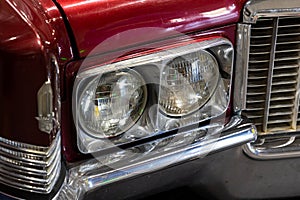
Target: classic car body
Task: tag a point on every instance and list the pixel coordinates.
(111, 99)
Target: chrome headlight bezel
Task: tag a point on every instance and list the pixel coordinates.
(189, 77)
(94, 84)
(154, 121)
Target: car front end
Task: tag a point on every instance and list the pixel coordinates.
(122, 100)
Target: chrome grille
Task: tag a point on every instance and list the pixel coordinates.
(272, 98)
(28, 167)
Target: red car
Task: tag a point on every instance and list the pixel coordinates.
(111, 99)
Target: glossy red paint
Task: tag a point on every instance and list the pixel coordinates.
(37, 30)
(95, 21)
(30, 33)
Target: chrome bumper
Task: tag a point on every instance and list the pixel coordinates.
(93, 174)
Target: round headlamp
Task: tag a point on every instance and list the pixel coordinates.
(188, 82)
(112, 103)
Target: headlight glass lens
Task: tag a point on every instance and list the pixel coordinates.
(188, 82)
(112, 103)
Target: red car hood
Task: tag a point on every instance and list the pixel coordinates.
(94, 21)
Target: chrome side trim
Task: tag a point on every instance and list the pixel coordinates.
(241, 66)
(269, 8)
(27, 148)
(28, 167)
(94, 174)
(9, 196)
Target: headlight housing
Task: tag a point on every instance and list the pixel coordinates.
(137, 98)
(188, 82)
(112, 103)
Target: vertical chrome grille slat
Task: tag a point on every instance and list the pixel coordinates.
(270, 74)
(272, 99)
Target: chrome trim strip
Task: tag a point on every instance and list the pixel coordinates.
(290, 151)
(241, 66)
(24, 147)
(92, 174)
(10, 196)
(28, 167)
(270, 75)
(255, 9)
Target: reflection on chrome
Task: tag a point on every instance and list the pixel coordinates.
(29, 167)
(183, 86)
(271, 95)
(155, 155)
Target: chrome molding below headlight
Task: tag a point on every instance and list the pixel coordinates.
(95, 173)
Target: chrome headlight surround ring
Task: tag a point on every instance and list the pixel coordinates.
(221, 50)
(189, 75)
(91, 85)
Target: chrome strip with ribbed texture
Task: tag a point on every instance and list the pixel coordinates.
(28, 167)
